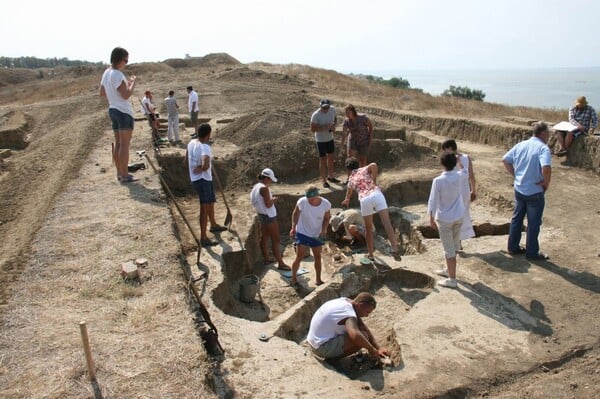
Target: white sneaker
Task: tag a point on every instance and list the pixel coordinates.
(448, 283)
(441, 272)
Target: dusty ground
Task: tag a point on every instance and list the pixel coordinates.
(514, 328)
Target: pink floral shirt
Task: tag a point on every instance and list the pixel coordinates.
(361, 181)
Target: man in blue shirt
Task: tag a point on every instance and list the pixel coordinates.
(529, 162)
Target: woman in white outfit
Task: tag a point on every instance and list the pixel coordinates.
(467, 189)
(264, 203)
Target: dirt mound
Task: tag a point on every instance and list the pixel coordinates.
(148, 67)
(265, 126)
(13, 76)
(245, 73)
(214, 59)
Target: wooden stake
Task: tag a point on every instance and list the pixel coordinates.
(87, 350)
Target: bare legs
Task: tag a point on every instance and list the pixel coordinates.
(564, 141)
(369, 234)
(326, 167)
(121, 152)
(205, 210)
(271, 231)
(389, 231)
(451, 265)
(300, 250)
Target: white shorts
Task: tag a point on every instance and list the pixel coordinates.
(373, 203)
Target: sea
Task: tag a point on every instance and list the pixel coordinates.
(553, 88)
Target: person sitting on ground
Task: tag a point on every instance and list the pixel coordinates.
(360, 134)
(585, 120)
(468, 188)
(322, 124)
(364, 181)
(199, 158)
(150, 110)
(310, 221)
(264, 203)
(353, 223)
(446, 211)
(337, 330)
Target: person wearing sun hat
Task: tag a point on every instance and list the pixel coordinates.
(310, 221)
(584, 118)
(263, 201)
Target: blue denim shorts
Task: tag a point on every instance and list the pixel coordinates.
(120, 120)
(205, 190)
(307, 241)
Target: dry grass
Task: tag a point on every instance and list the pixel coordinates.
(143, 337)
(364, 92)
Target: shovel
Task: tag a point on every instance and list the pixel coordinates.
(229, 216)
(187, 223)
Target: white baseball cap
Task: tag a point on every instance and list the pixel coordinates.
(269, 173)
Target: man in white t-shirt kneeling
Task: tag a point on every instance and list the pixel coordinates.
(337, 330)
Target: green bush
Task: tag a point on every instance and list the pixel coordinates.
(394, 82)
(464, 92)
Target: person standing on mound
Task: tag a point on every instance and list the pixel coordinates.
(264, 203)
(118, 90)
(446, 211)
(364, 181)
(310, 221)
(199, 158)
(360, 134)
(322, 124)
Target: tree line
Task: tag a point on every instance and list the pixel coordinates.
(34, 62)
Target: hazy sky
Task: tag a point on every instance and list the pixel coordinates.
(349, 36)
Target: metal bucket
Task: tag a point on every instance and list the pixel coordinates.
(249, 287)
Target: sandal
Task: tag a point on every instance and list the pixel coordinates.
(396, 256)
(285, 268)
(268, 261)
(128, 179)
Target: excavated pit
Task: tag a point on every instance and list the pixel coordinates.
(275, 295)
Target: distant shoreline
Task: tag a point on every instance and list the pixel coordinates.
(553, 88)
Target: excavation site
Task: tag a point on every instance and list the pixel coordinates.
(169, 318)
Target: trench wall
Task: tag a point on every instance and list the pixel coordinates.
(14, 131)
(585, 152)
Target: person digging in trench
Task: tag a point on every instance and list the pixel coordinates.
(364, 181)
(199, 160)
(337, 330)
(263, 201)
(353, 223)
(310, 221)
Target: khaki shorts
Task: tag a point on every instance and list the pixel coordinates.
(450, 236)
(332, 348)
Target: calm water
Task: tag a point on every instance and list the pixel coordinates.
(546, 88)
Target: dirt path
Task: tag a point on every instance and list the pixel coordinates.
(143, 337)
